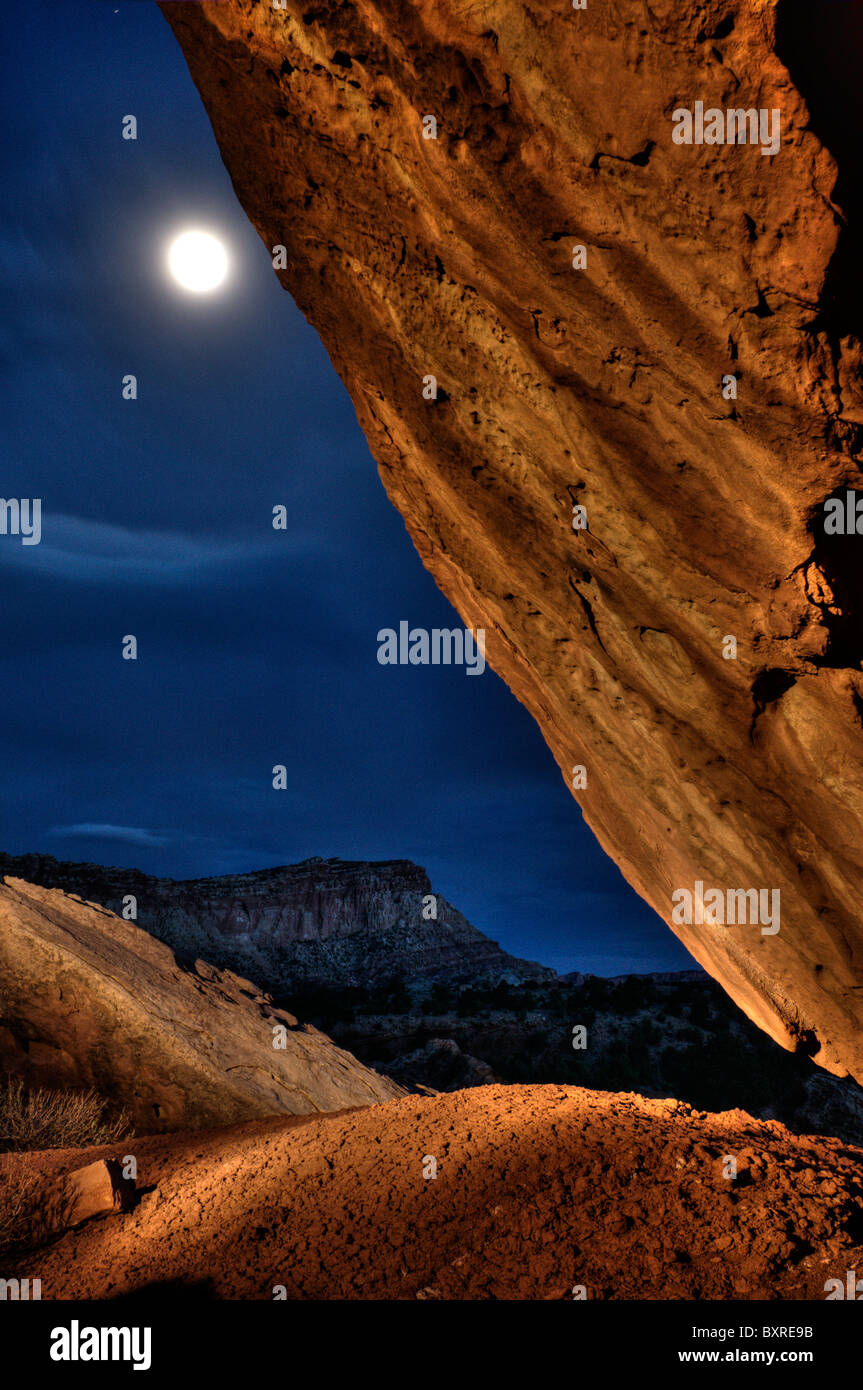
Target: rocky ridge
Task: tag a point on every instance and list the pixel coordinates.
(332, 922)
(89, 1000)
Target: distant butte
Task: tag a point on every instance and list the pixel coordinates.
(331, 922)
(593, 380)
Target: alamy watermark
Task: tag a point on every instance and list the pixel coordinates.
(20, 1290)
(21, 516)
(440, 646)
(737, 126)
(844, 516)
(852, 1288)
(77, 1343)
(726, 907)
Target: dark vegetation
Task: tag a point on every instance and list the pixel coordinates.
(686, 1040)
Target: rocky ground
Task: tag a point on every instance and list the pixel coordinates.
(540, 1190)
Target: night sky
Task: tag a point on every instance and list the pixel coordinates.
(256, 646)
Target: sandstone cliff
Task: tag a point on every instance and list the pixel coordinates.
(87, 999)
(594, 380)
(330, 922)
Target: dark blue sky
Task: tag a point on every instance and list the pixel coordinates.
(256, 647)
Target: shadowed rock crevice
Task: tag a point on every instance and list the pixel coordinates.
(834, 574)
(823, 50)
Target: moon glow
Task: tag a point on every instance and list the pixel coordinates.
(198, 261)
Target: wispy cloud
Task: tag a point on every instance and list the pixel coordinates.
(94, 551)
(128, 834)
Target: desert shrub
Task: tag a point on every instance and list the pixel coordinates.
(21, 1227)
(647, 1033)
(469, 1002)
(700, 1013)
(728, 1073)
(556, 1003)
(322, 1005)
(440, 999)
(502, 997)
(616, 1070)
(46, 1119)
(632, 994)
(390, 996)
(597, 992)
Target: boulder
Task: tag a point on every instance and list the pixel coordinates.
(95, 1190)
(90, 1000)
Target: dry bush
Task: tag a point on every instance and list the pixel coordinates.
(45, 1119)
(21, 1216)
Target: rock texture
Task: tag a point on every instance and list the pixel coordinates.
(601, 387)
(87, 999)
(332, 922)
(539, 1189)
(96, 1190)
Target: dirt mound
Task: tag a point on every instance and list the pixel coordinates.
(539, 1189)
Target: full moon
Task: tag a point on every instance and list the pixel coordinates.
(198, 261)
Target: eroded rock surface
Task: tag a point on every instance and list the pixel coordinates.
(601, 387)
(87, 999)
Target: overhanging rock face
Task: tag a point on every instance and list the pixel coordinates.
(594, 379)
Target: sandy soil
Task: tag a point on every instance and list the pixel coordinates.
(538, 1189)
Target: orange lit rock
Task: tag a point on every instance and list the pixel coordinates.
(535, 1191)
(95, 1190)
(581, 287)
